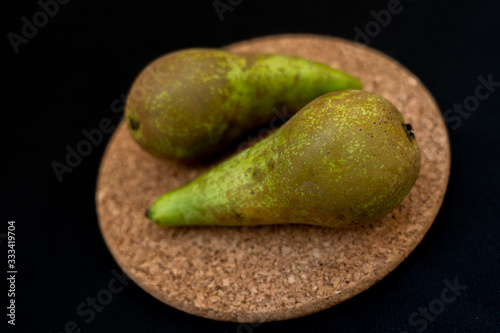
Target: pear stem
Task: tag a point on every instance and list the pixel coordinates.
(166, 211)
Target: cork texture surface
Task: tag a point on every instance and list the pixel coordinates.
(269, 273)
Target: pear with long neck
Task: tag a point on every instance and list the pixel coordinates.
(193, 103)
(345, 159)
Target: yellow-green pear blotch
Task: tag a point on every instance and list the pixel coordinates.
(346, 158)
(192, 103)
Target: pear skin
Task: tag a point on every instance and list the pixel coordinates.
(345, 159)
(193, 103)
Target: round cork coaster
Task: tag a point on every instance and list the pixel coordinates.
(268, 273)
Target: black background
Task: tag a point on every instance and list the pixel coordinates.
(64, 80)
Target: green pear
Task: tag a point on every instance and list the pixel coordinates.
(193, 103)
(346, 158)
